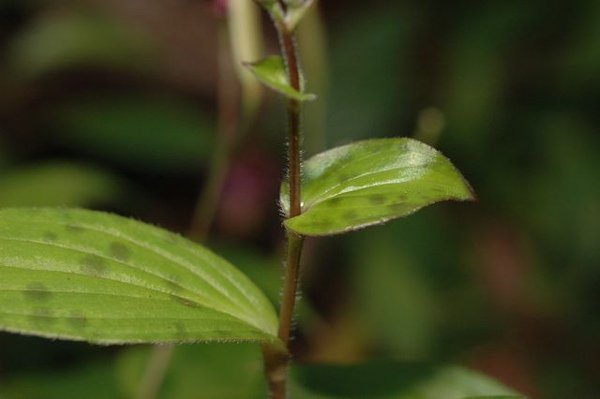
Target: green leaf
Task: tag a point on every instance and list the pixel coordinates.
(394, 380)
(101, 278)
(217, 371)
(370, 182)
(69, 39)
(496, 397)
(58, 184)
(144, 133)
(90, 381)
(272, 72)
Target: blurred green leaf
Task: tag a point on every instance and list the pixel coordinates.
(582, 61)
(91, 381)
(209, 370)
(63, 40)
(393, 380)
(394, 297)
(272, 72)
(235, 372)
(371, 72)
(58, 184)
(96, 277)
(407, 290)
(312, 40)
(496, 397)
(475, 93)
(206, 371)
(149, 134)
(370, 182)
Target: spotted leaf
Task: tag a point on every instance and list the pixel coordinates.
(96, 277)
(370, 182)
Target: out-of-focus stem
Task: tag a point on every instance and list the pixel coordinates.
(206, 207)
(157, 367)
(228, 117)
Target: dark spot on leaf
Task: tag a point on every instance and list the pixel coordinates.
(180, 331)
(120, 251)
(93, 265)
(343, 177)
(42, 317)
(50, 236)
(77, 320)
(401, 197)
(174, 285)
(72, 228)
(334, 201)
(184, 301)
(377, 199)
(37, 292)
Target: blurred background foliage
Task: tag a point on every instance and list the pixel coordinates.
(113, 105)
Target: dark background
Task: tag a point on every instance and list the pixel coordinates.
(113, 105)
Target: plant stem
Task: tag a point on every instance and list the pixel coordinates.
(155, 372)
(228, 116)
(286, 313)
(207, 204)
(293, 111)
(276, 362)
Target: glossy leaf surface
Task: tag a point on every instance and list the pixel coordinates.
(272, 72)
(101, 278)
(370, 182)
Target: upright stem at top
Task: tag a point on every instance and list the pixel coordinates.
(288, 47)
(276, 363)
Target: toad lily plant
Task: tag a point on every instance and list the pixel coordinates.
(90, 276)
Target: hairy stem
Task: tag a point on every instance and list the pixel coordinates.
(290, 288)
(276, 362)
(208, 201)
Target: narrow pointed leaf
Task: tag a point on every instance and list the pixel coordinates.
(272, 72)
(95, 277)
(370, 182)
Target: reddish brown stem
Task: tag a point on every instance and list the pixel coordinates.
(277, 362)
